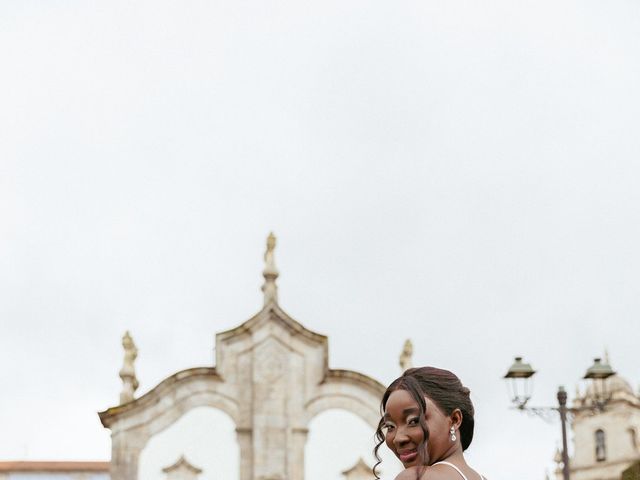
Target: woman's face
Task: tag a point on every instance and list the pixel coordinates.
(403, 433)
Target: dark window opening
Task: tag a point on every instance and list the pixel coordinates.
(601, 448)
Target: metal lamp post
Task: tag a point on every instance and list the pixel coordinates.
(519, 376)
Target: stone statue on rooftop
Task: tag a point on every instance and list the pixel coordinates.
(270, 272)
(127, 372)
(406, 356)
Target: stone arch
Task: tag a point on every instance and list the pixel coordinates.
(350, 404)
(337, 439)
(342, 455)
(216, 451)
(134, 423)
(168, 416)
(350, 391)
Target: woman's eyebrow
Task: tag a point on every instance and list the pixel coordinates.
(410, 410)
(406, 411)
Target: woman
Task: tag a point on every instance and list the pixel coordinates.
(427, 423)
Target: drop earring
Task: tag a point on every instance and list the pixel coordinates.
(453, 434)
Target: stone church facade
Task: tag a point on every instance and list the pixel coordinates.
(607, 441)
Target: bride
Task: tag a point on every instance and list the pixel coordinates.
(428, 424)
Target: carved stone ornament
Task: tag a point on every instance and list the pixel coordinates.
(128, 372)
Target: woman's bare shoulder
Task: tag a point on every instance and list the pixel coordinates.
(428, 473)
(410, 473)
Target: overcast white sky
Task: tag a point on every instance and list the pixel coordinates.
(461, 173)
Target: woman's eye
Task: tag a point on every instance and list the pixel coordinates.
(413, 421)
(388, 427)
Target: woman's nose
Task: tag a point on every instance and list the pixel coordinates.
(401, 437)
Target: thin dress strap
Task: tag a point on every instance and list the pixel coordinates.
(452, 466)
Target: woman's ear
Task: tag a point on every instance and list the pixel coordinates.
(456, 418)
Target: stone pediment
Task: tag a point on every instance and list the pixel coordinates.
(271, 315)
(271, 325)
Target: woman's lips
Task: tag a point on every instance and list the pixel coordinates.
(408, 457)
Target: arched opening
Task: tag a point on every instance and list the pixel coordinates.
(601, 447)
(337, 439)
(205, 436)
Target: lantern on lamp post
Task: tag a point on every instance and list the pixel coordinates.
(598, 374)
(520, 382)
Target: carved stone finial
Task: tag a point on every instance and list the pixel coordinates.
(406, 356)
(270, 272)
(128, 372)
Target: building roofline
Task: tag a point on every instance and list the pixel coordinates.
(54, 466)
(272, 310)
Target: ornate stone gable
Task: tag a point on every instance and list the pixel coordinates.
(271, 377)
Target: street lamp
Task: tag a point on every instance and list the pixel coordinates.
(521, 386)
(519, 376)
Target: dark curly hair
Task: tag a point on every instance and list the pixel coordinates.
(445, 389)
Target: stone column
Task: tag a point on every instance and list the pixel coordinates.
(245, 444)
(125, 451)
(269, 416)
(296, 454)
